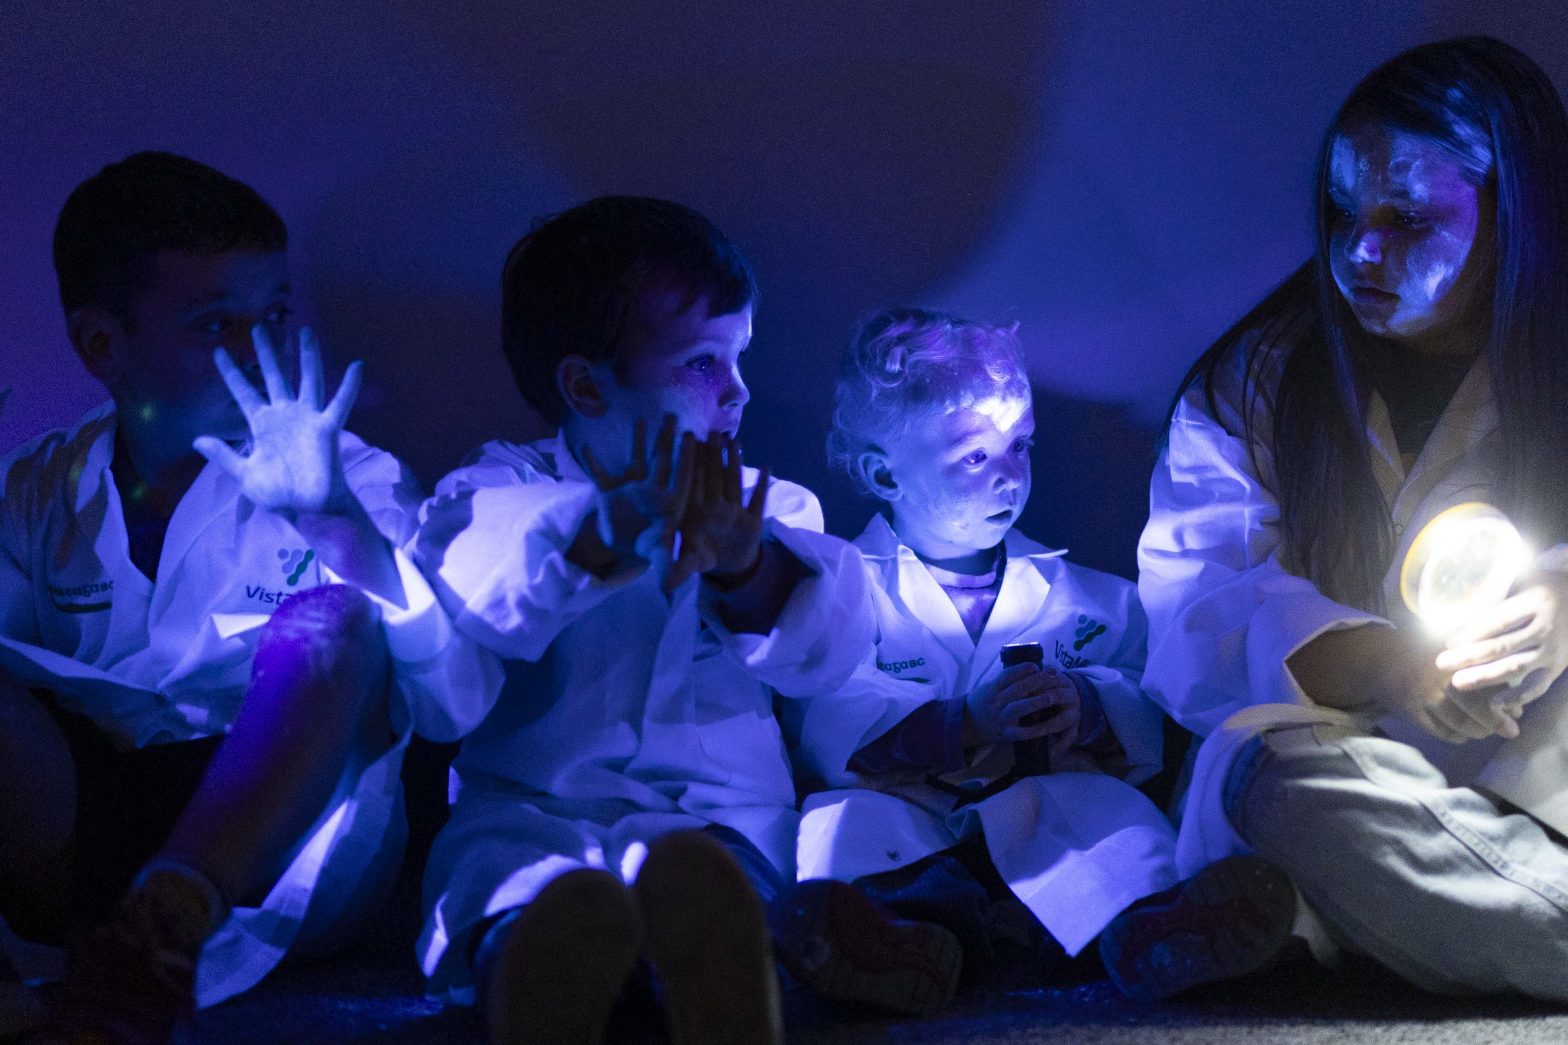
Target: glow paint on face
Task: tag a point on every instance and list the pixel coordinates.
(1003, 411)
(961, 479)
(1408, 238)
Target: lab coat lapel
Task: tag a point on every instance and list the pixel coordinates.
(909, 582)
(1018, 604)
(1466, 422)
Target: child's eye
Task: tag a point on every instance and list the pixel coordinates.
(1023, 446)
(278, 316)
(213, 324)
(978, 457)
(700, 363)
(1409, 219)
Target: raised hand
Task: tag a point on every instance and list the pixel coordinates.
(293, 466)
(721, 531)
(639, 510)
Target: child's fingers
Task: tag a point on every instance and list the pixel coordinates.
(681, 491)
(271, 375)
(336, 412)
(663, 448)
(239, 386)
(311, 381)
(732, 466)
(219, 453)
(1017, 710)
(759, 495)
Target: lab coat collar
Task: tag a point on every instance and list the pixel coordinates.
(1024, 588)
(97, 455)
(1468, 419)
(561, 460)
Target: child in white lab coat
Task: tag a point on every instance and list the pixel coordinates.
(629, 794)
(958, 787)
(188, 713)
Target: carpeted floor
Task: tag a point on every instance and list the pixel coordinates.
(374, 994)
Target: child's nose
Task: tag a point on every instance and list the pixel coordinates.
(736, 394)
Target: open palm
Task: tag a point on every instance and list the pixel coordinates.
(293, 465)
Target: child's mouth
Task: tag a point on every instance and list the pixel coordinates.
(1005, 515)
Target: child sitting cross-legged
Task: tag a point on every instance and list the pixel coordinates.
(629, 796)
(961, 785)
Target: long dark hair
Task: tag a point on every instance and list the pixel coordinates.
(1471, 96)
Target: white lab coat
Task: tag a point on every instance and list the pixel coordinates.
(625, 714)
(1224, 612)
(1076, 848)
(157, 660)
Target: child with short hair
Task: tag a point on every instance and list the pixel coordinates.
(209, 669)
(958, 786)
(630, 793)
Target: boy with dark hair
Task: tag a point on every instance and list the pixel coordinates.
(644, 600)
(209, 669)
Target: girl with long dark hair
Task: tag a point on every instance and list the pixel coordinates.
(1420, 360)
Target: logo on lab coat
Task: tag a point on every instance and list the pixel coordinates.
(1087, 631)
(296, 559)
(82, 598)
(898, 667)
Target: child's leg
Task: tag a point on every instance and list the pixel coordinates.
(707, 936)
(37, 816)
(315, 714)
(550, 972)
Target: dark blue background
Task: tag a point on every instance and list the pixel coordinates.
(1123, 177)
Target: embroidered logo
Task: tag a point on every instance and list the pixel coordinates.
(1087, 631)
(294, 563)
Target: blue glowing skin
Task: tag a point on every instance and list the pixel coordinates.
(1408, 236)
(958, 480)
(674, 360)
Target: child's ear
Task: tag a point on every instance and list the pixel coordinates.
(97, 335)
(878, 474)
(579, 386)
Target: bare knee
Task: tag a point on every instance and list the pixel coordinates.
(332, 633)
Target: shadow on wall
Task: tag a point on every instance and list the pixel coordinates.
(1091, 469)
(853, 176)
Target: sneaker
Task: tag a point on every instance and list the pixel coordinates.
(560, 967)
(841, 944)
(1231, 918)
(707, 937)
(129, 981)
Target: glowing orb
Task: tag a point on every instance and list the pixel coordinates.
(1465, 559)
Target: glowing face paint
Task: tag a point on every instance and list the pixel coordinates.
(1408, 239)
(962, 479)
(1465, 559)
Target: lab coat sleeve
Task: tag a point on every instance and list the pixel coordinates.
(493, 545)
(1224, 613)
(18, 615)
(447, 680)
(1135, 719)
(827, 626)
(830, 726)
